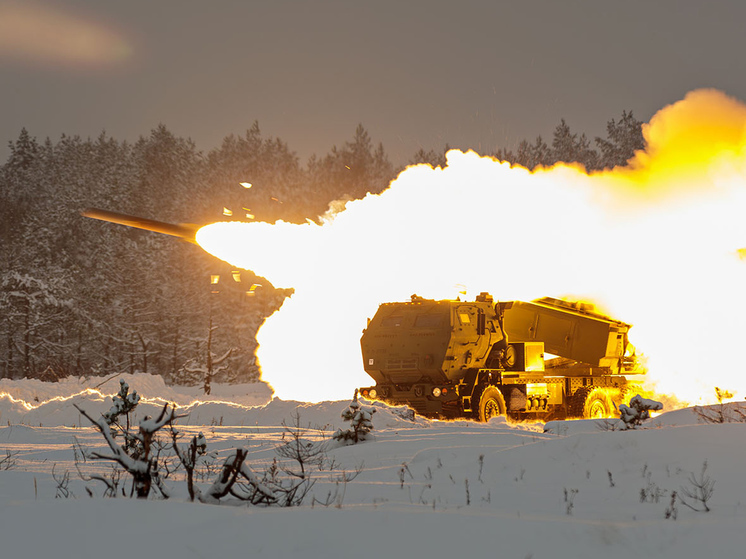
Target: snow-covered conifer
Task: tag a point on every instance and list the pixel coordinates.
(361, 424)
(624, 138)
(124, 402)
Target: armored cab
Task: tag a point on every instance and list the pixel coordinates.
(481, 358)
(429, 340)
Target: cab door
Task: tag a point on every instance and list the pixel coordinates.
(473, 334)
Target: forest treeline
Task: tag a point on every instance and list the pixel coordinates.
(82, 297)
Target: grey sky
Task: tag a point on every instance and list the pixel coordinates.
(416, 73)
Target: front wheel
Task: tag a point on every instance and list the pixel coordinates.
(491, 404)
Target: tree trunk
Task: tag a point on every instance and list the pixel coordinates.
(27, 340)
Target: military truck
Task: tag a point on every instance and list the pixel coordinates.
(481, 359)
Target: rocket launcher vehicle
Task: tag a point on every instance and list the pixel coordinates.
(479, 359)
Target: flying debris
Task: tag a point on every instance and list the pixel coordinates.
(186, 231)
(252, 290)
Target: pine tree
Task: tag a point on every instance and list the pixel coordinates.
(17, 179)
(624, 138)
(23, 152)
(569, 147)
(534, 155)
(277, 186)
(361, 424)
(434, 158)
(34, 325)
(167, 167)
(352, 171)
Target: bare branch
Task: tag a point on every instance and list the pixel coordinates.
(227, 477)
(700, 490)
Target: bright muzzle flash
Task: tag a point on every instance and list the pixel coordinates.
(655, 243)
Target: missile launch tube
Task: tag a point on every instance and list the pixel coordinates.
(184, 231)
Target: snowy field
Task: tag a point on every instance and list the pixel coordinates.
(425, 489)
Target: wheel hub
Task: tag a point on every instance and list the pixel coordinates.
(491, 409)
(598, 410)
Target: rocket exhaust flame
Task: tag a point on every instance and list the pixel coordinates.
(657, 244)
(654, 243)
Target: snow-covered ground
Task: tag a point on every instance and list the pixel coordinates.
(427, 488)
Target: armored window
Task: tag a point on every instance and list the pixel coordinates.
(428, 321)
(464, 318)
(392, 321)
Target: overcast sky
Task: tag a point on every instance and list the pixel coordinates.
(416, 73)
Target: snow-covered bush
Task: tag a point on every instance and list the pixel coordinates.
(361, 424)
(288, 481)
(124, 404)
(138, 457)
(722, 412)
(637, 411)
(188, 456)
(119, 415)
(9, 462)
(150, 460)
(699, 491)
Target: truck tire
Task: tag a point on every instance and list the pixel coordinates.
(590, 402)
(491, 404)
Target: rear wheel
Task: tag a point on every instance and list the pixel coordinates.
(591, 403)
(491, 404)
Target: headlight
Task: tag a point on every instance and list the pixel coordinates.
(373, 393)
(436, 392)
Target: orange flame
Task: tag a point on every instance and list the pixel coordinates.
(655, 243)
